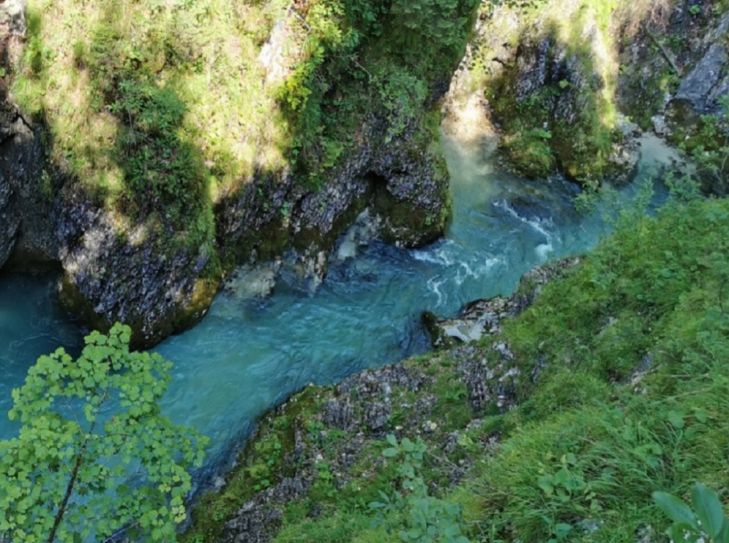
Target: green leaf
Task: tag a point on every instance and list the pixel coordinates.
(675, 509)
(545, 483)
(676, 419)
(708, 509)
(723, 536)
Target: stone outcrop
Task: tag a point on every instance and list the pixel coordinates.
(9, 219)
(120, 268)
(484, 317)
(707, 81)
(547, 80)
(565, 86)
(405, 187)
(19, 150)
(136, 278)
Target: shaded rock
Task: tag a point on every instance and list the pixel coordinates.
(252, 524)
(256, 521)
(491, 381)
(703, 87)
(12, 17)
(8, 221)
(339, 414)
(136, 277)
(377, 414)
(24, 209)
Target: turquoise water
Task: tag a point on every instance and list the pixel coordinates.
(250, 354)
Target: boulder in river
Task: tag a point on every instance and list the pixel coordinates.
(482, 318)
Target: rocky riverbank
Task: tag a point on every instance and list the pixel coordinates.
(322, 437)
(560, 419)
(156, 264)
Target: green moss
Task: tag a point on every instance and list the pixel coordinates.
(705, 139)
(261, 464)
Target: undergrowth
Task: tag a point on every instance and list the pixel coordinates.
(621, 390)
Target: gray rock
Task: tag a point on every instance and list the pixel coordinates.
(20, 174)
(9, 221)
(133, 277)
(483, 317)
(339, 414)
(660, 127)
(707, 83)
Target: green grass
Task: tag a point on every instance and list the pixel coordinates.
(653, 297)
(155, 108)
(622, 390)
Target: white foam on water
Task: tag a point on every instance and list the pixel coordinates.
(434, 285)
(441, 255)
(543, 250)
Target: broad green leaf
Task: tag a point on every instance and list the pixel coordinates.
(675, 509)
(708, 508)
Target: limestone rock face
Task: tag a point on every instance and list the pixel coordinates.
(25, 215)
(119, 267)
(135, 278)
(703, 87)
(8, 220)
(15, 137)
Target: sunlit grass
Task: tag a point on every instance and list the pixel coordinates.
(207, 53)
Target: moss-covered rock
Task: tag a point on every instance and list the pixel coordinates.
(558, 74)
(184, 139)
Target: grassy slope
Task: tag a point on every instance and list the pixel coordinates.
(622, 389)
(158, 108)
(154, 107)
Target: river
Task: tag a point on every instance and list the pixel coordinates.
(247, 354)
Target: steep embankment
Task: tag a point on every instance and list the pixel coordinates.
(559, 423)
(570, 83)
(168, 142)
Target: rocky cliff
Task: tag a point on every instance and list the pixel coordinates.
(571, 83)
(145, 211)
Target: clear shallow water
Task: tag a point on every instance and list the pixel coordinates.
(248, 355)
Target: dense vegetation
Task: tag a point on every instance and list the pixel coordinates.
(618, 386)
(94, 457)
(182, 102)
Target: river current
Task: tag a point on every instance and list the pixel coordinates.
(249, 354)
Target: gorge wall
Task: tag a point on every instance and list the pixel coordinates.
(149, 158)
(149, 152)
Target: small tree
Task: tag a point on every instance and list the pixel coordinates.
(94, 455)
